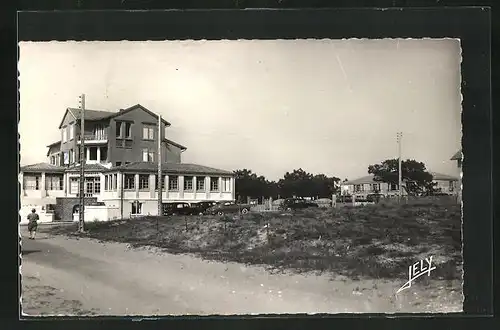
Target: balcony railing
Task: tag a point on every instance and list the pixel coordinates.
(94, 137)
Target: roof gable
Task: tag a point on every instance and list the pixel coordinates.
(139, 107)
(362, 180)
(89, 114)
(175, 144)
(457, 155)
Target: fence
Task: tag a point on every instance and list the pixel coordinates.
(270, 205)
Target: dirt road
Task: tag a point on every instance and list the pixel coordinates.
(111, 279)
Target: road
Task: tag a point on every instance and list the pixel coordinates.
(112, 279)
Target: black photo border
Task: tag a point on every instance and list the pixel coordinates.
(471, 25)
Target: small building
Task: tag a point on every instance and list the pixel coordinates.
(445, 183)
(366, 185)
(458, 157)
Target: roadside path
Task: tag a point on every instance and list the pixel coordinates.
(111, 279)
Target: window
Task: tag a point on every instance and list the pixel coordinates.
(148, 132)
(376, 187)
(118, 164)
(451, 186)
(214, 184)
(173, 182)
(226, 184)
(71, 132)
(72, 156)
(53, 182)
(64, 136)
(74, 186)
(31, 182)
(358, 188)
(129, 182)
(393, 187)
(188, 183)
(106, 182)
(136, 208)
(128, 130)
(104, 154)
(119, 129)
(52, 160)
(200, 183)
(97, 186)
(147, 155)
(143, 182)
(93, 153)
(157, 184)
(115, 181)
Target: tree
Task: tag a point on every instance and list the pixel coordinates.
(248, 184)
(303, 184)
(414, 174)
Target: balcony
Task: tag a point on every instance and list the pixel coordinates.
(94, 138)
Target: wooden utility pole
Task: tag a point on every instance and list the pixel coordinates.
(160, 177)
(81, 215)
(400, 176)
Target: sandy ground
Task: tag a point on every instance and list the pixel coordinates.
(63, 276)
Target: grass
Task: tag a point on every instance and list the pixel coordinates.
(374, 241)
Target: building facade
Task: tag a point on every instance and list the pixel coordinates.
(121, 167)
(366, 185)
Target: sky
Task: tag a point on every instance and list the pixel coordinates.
(326, 106)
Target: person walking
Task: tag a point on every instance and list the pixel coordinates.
(33, 223)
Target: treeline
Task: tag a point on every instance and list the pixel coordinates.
(417, 180)
(296, 183)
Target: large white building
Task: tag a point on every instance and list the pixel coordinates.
(122, 178)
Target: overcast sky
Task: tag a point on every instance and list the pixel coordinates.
(326, 106)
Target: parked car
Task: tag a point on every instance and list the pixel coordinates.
(344, 199)
(374, 197)
(201, 207)
(296, 203)
(180, 208)
(228, 207)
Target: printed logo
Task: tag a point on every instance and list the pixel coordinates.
(416, 270)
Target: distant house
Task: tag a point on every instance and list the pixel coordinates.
(445, 183)
(458, 158)
(366, 185)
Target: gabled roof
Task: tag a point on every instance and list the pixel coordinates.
(93, 115)
(134, 107)
(173, 168)
(362, 180)
(87, 168)
(443, 177)
(58, 143)
(42, 167)
(53, 144)
(89, 114)
(183, 148)
(457, 155)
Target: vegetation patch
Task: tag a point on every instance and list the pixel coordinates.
(374, 241)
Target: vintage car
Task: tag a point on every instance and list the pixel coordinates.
(290, 204)
(180, 208)
(201, 207)
(228, 207)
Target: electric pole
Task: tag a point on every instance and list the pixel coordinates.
(160, 177)
(81, 217)
(400, 176)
